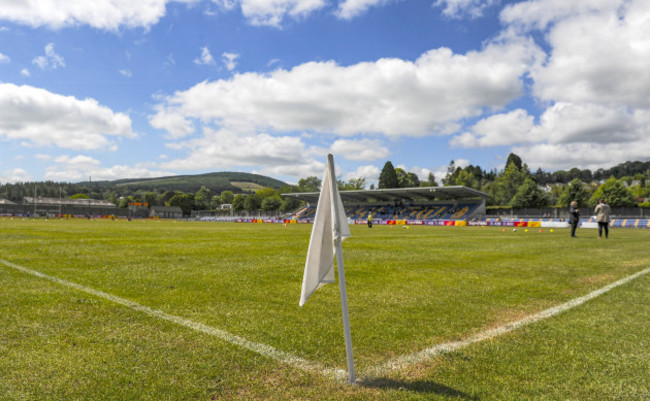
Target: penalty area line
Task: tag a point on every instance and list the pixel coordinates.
(405, 361)
(258, 348)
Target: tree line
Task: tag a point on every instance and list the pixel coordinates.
(515, 186)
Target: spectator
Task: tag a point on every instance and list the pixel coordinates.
(602, 217)
(574, 217)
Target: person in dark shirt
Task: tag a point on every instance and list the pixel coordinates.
(574, 217)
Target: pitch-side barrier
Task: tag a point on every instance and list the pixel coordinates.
(585, 223)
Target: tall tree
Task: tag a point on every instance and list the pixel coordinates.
(167, 196)
(467, 179)
(388, 176)
(309, 184)
(507, 183)
(266, 193)
(271, 203)
(529, 195)
(203, 198)
(289, 204)
(430, 182)
(450, 178)
(575, 191)
(354, 184)
(238, 203)
(226, 197)
(357, 183)
(184, 201)
(513, 158)
(406, 179)
(614, 193)
(253, 202)
(151, 198)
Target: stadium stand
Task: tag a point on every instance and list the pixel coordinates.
(422, 203)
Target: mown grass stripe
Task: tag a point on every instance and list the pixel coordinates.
(405, 361)
(259, 348)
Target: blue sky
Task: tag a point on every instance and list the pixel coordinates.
(114, 89)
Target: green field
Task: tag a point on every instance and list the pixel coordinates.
(408, 289)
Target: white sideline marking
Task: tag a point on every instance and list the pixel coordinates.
(337, 374)
(261, 349)
(421, 356)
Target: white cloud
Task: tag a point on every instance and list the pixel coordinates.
(440, 172)
(587, 136)
(497, 130)
(584, 124)
(41, 156)
(590, 123)
(595, 83)
(390, 96)
(599, 58)
(15, 175)
(349, 9)
(582, 155)
(80, 167)
(370, 173)
(112, 15)
(228, 148)
(126, 72)
(35, 116)
(230, 60)
(4, 58)
(205, 58)
(273, 12)
(539, 14)
(422, 173)
(80, 161)
(363, 149)
(25, 72)
(101, 14)
(175, 124)
(462, 163)
(465, 8)
(51, 60)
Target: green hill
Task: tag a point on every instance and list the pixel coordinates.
(236, 182)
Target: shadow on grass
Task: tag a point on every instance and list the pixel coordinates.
(419, 386)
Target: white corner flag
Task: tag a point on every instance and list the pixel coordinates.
(329, 230)
(330, 224)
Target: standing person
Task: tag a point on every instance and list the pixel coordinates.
(369, 220)
(602, 217)
(574, 217)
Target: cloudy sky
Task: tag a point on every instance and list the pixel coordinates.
(113, 89)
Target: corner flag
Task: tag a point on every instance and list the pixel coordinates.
(330, 224)
(329, 230)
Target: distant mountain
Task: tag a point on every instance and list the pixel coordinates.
(236, 182)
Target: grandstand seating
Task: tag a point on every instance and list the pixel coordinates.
(398, 212)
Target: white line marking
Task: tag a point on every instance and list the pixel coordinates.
(337, 374)
(421, 356)
(259, 348)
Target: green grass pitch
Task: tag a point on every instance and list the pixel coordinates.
(408, 289)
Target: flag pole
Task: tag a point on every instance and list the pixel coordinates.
(344, 311)
(341, 269)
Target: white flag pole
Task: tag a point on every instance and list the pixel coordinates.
(339, 262)
(344, 311)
